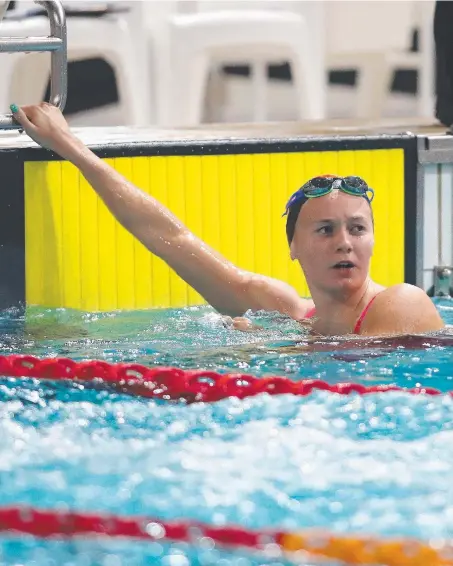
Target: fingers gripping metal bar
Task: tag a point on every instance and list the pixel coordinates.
(56, 43)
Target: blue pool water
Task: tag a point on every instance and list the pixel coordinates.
(379, 464)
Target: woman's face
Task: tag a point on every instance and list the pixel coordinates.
(333, 242)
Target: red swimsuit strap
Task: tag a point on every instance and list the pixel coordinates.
(358, 325)
(310, 313)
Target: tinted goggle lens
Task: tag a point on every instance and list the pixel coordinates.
(318, 186)
(355, 184)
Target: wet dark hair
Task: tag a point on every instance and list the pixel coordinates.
(291, 219)
(293, 215)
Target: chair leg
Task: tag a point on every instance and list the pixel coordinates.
(182, 99)
(215, 95)
(195, 83)
(374, 81)
(310, 86)
(133, 91)
(259, 91)
(426, 79)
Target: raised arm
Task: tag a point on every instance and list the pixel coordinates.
(227, 288)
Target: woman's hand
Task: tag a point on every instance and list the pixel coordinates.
(46, 125)
(240, 323)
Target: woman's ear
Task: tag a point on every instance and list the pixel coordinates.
(292, 253)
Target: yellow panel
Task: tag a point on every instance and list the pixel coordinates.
(228, 206)
(394, 212)
(78, 256)
(70, 203)
(53, 288)
(330, 162)
(388, 206)
(35, 185)
(245, 213)
(262, 213)
(210, 200)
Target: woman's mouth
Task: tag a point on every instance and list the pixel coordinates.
(344, 265)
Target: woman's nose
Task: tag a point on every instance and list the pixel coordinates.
(344, 241)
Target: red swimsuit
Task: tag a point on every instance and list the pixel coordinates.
(358, 324)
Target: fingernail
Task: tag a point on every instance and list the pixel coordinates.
(14, 108)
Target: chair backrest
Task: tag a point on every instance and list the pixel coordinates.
(214, 5)
(368, 25)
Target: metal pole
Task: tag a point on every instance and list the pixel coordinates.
(56, 43)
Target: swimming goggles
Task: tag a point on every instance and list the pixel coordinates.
(324, 184)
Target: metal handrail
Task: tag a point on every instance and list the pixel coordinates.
(56, 43)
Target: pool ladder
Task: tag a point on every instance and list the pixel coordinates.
(56, 43)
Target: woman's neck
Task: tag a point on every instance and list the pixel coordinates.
(337, 313)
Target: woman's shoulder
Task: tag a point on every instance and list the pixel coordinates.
(402, 308)
(403, 291)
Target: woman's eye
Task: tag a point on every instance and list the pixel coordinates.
(324, 230)
(358, 228)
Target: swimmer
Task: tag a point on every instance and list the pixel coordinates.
(330, 232)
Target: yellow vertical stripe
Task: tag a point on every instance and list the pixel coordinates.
(35, 184)
(210, 200)
(330, 162)
(262, 212)
(396, 224)
(52, 236)
(245, 212)
(228, 228)
(70, 225)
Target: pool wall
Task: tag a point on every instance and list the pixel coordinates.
(230, 192)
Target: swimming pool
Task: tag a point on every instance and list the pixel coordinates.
(378, 464)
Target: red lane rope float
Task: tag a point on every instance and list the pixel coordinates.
(172, 383)
(346, 548)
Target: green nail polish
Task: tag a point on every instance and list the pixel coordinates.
(14, 108)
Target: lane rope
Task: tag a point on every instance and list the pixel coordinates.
(346, 548)
(172, 383)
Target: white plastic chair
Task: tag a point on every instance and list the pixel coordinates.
(110, 37)
(3, 7)
(374, 38)
(187, 47)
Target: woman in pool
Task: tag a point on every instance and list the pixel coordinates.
(330, 232)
